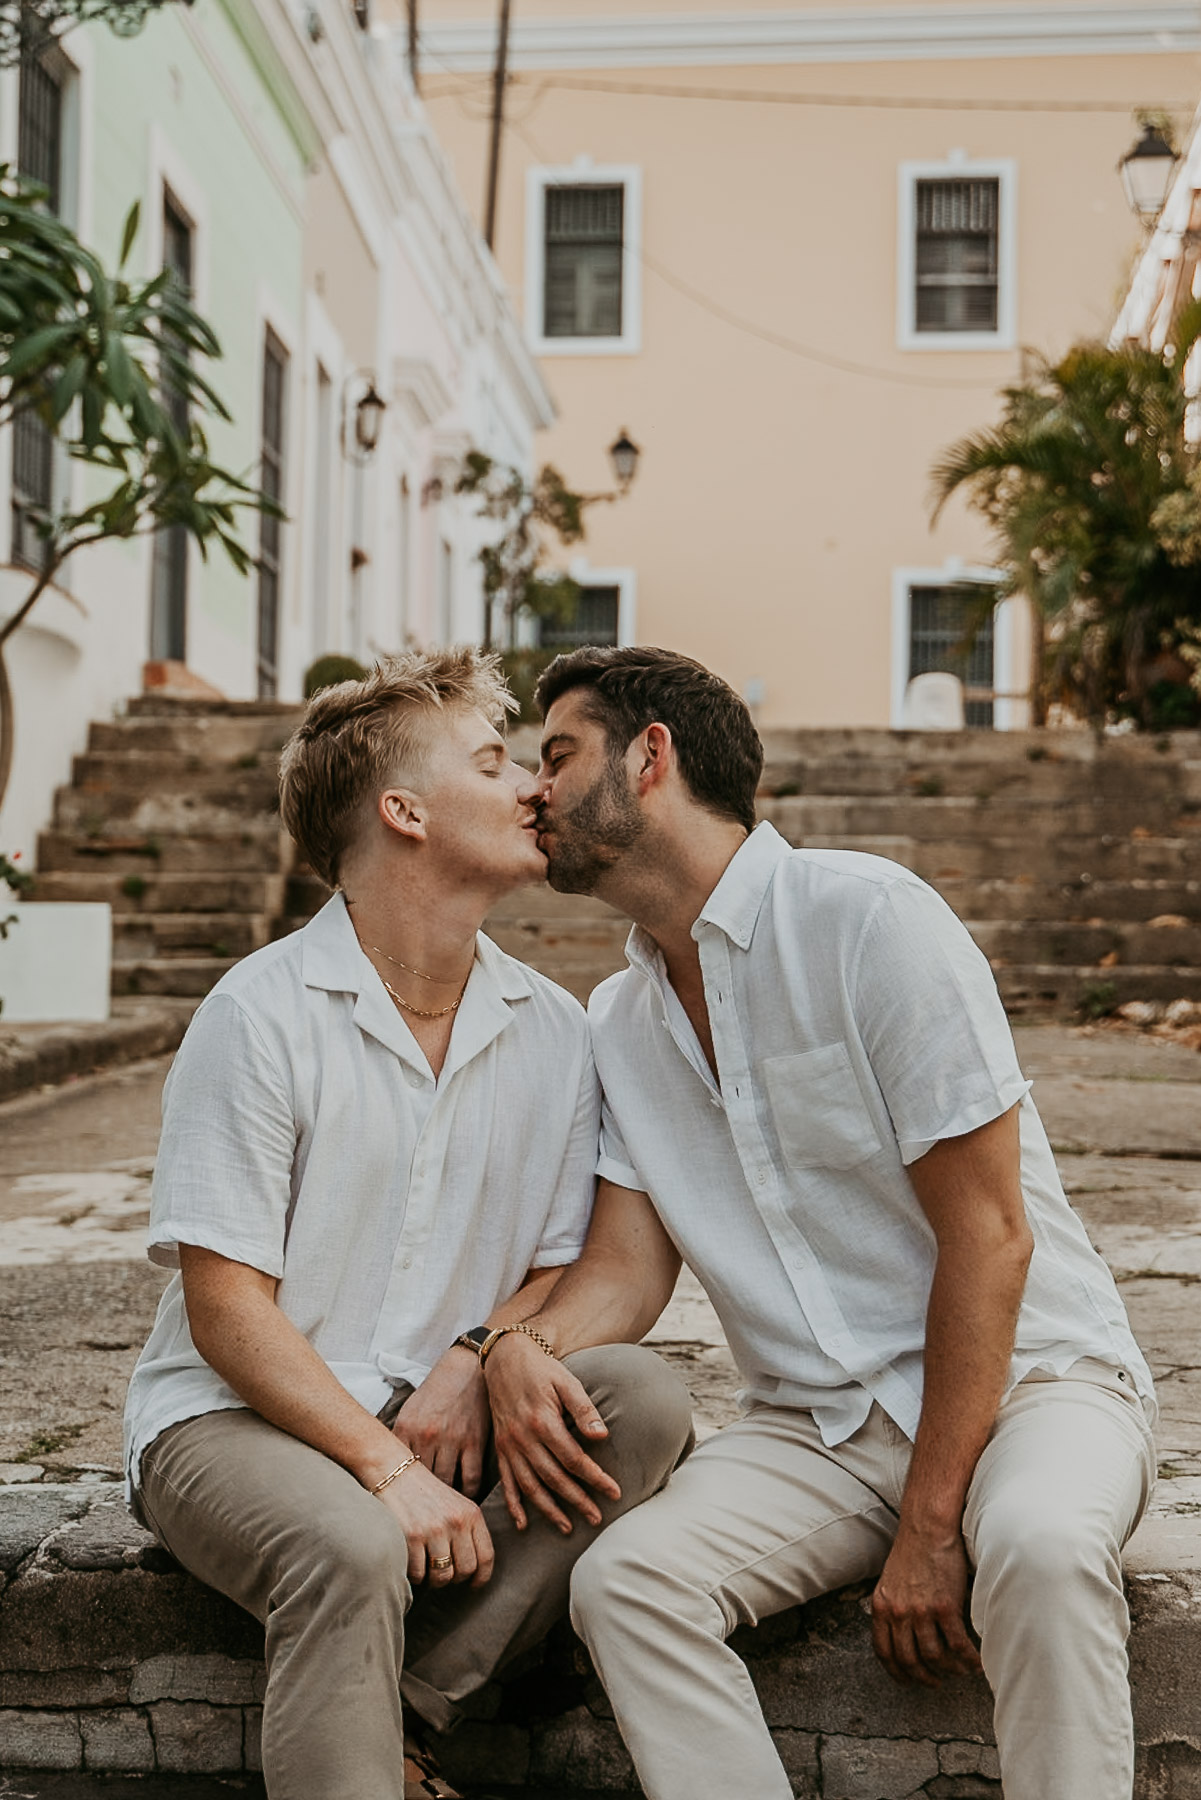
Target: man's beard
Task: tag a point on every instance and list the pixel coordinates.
(582, 845)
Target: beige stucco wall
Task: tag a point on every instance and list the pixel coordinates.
(779, 492)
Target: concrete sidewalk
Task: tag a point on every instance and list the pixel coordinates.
(35, 1056)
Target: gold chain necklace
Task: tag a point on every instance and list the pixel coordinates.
(417, 1010)
(396, 962)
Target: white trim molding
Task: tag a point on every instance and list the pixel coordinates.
(957, 168)
(584, 173)
(818, 35)
(1009, 708)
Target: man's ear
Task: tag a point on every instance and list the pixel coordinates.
(651, 756)
(401, 811)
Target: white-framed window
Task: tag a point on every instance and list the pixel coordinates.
(957, 255)
(603, 613)
(46, 152)
(583, 277)
(950, 619)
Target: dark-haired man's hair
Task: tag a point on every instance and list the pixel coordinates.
(718, 748)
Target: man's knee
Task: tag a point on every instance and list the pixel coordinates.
(361, 1559)
(643, 1402)
(1044, 1551)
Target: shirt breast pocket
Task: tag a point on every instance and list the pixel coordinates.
(818, 1110)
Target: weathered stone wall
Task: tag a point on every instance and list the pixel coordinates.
(111, 1658)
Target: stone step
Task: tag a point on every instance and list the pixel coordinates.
(238, 852)
(1171, 945)
(189, 977)
(860, 743)
(216, 809)
(937, 818)
(151, 893)
(111, 1658)
(1061, 859)
(1029, 987)
(1157, 785)
(217, 738)
(254, 774)
(137, 937)
(1025, 899)
(175, 706)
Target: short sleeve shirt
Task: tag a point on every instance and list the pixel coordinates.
(855, 1024)
(304, 1134)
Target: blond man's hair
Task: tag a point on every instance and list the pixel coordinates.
(359, 737)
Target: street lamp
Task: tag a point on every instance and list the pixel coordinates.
(1146, 172)
(368, 417)
(624, 454)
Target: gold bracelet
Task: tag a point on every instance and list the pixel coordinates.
(400, 1468)
(494, 1337)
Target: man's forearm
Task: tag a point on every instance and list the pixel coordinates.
(252, 1345)
(621, 1283)
(970, 1324)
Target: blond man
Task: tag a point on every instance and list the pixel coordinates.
(377, 1154)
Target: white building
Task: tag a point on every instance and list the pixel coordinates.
(294, 180)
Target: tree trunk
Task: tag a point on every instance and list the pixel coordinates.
(6, 726)
(1038, 666)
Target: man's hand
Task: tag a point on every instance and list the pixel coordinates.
(439, 1523)
(918, 1610)
(534, 1402)
(446, 1419)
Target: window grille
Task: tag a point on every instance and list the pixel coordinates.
(951, 629)
(593, 620)
(40, 157)
(583, 261)
(169, 568)
(271, 479)
(957, 254)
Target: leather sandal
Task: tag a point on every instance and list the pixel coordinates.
(423, 1779)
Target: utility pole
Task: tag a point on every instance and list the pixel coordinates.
(414, 77)
(498, 119)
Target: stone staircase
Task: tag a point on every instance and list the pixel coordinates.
(1076, 862)
(171, 816)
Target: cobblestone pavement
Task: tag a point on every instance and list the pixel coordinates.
(77, 1296)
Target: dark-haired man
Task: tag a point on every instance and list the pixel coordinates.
(377, 1156)
(812, 1093)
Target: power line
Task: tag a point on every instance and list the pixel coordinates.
(779, 340)
(776, 97)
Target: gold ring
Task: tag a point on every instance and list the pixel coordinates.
(441, 1562)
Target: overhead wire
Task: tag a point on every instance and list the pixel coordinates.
(777, 339)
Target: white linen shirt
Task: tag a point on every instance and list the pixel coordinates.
(304, 1134)
(855, 1023)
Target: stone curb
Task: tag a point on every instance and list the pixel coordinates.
(32, 1056)
(112, 1659)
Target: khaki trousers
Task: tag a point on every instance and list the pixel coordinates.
(764, 1515)
(294, 1538)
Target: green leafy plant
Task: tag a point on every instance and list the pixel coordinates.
(27, 26)
(92, 355)
(516, 579)
(1093, 491)
(328, 670)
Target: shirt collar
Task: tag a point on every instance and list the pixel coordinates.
(733, 906)
(332, 958)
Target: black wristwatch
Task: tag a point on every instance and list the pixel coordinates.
(475, 1339)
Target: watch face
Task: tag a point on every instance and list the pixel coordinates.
(477, 1335)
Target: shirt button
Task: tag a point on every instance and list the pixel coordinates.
(761, 1177)
(407, 1263)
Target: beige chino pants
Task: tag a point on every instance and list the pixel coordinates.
(294, 1538)
(764, 1515)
